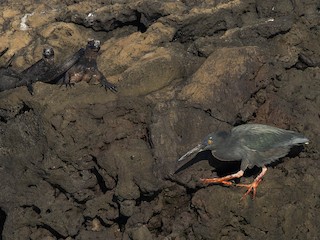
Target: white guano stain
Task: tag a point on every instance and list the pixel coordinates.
(23, 23)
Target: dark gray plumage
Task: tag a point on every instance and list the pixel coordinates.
(252, 144)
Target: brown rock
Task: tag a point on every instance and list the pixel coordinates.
(154, 71)
(72, 159)
(128, 50)
(141, 233)
(225, 82)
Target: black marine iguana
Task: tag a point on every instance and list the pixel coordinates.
(31, 74)
(8, 76)
(43, 70)
(86, 69)
(82, 66)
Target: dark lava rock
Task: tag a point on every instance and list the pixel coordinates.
(83, 163)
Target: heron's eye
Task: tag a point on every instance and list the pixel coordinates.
(210, 141)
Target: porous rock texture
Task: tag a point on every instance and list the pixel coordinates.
(83, 163)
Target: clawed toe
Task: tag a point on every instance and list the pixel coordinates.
(67, 85)
(215, 180)
(110, 87)
(252, 187)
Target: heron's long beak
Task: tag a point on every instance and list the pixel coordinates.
(196, 149)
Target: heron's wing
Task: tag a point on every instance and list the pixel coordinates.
(263, 144)
(262, 158)
(259, 137)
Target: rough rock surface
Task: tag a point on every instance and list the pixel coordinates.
(83, 163)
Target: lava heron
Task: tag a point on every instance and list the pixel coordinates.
(253, 145)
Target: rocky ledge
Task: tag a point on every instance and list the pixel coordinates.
(83, 163)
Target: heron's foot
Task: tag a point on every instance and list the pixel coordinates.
(252, 187)
(222, 180)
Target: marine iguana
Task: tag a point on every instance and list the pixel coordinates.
(86, 69)
(38, 69)
(11, 78)
(8, 76)
(43, 70)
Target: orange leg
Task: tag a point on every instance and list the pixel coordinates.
(254, 185)
(223, 180)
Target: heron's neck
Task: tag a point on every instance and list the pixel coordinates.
(227, 149)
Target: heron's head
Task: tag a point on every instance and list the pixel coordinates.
(210, 142)
(213, 140)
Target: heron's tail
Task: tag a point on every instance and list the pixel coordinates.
(300, 140)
